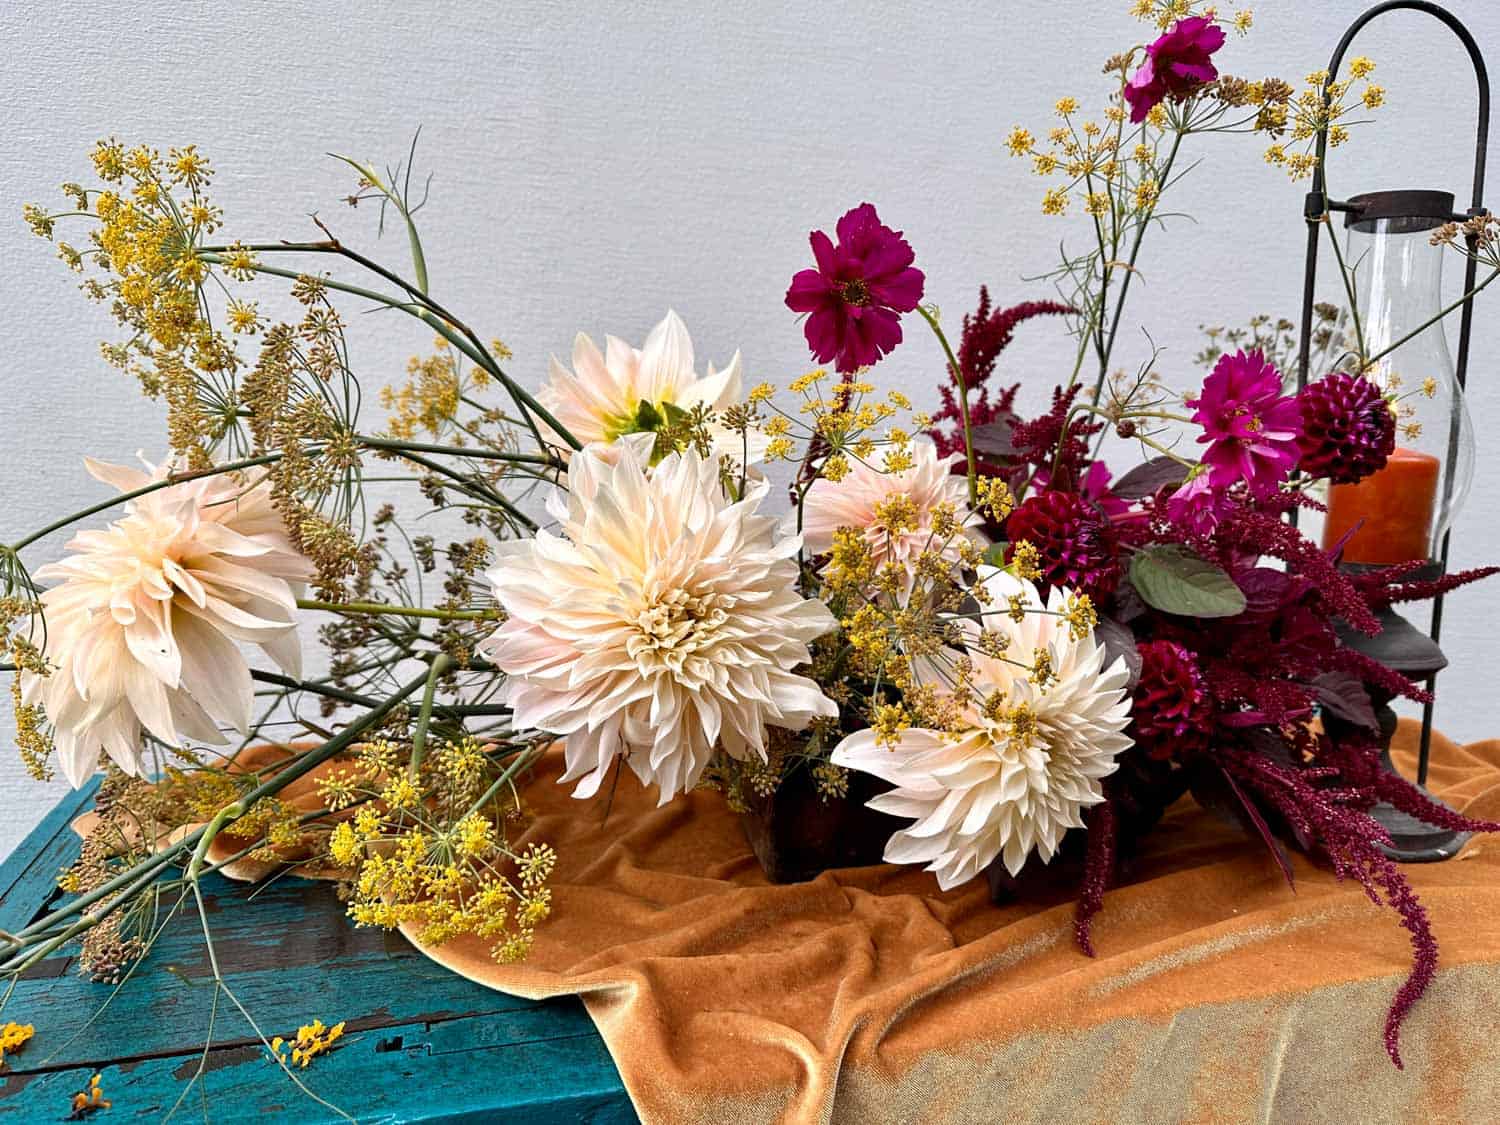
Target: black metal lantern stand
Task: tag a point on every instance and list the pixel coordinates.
(1398, 214)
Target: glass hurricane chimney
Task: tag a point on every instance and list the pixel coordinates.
(1402, 512)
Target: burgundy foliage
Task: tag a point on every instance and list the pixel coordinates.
(1226, 702)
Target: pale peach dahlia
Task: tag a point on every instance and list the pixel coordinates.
(625, 390)
(662, 623)
(142, 623)
(861, 498)
(1025, 759)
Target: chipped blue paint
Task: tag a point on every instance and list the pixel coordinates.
(422, 1044)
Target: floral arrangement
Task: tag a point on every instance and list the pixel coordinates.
(1030, 649)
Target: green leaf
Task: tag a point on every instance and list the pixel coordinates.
(995, 554)
(1174, 580)
(647, 418)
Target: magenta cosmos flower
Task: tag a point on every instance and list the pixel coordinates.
(1251, 429)
(855, 297)
(1176, 64)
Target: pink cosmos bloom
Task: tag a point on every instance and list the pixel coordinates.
(1251, 429)
(856, 294)
(1176, 64)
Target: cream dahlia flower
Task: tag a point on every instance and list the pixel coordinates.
(664, 621)
(142, 623)
(627, 390)
(1026, 760)
(866, 500)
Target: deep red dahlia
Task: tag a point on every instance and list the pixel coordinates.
(1078, 546)
(1172, 710)
(1348, 428)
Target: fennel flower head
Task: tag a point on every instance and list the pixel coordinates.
(662, 623)
(897, 513)
(143, 621)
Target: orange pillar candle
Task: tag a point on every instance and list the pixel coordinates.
(1392, 510)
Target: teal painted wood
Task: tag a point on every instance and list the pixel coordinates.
(421, 1045)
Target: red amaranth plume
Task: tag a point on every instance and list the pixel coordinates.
(1098, 870)
(1385, 586)
(1041, 443)
(986, 333)
(1351, 840)
(1244, 529)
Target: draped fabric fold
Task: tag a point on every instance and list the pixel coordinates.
(869, 996)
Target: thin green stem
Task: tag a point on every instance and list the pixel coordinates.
(397, 610)
(1423, 327)
(167, 482)
(963, 400)
(271, 786)
(1135, 250)
(1346, 275)
(440, 664)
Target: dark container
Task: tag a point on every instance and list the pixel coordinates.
(797, 834)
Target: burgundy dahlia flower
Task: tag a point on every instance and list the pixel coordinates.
(1172, 710)
(855, 297)
(1251, 429)
(1176, 64)
(1348, 428)
(1077, 545)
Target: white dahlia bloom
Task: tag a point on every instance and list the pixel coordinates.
(1027, 760)
(860, 501)
(627, 390)
(664, 621)
(142, 624)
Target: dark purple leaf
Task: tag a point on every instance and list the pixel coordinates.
(1119, 642)
(994, 439)
(1273, 845)
(1150, 478)
(1344, 697)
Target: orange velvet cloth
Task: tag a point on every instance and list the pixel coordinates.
(868, 996)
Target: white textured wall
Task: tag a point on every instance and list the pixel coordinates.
(595, 164)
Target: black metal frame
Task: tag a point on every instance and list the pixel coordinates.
(1317, 210)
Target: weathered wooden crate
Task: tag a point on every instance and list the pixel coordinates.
(422, 1045)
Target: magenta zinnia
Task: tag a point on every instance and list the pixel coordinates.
(1348, 428)
(1251, 428)
(1176, 65)
(855, 297)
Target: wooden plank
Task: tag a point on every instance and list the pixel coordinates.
(28, 877)
(535, 1075)
(287, 952)
(290, 955)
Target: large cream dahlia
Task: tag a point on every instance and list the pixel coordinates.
(142, 623)
(663, 621)
(860, 498)
(1021, 771)
(626, 390)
